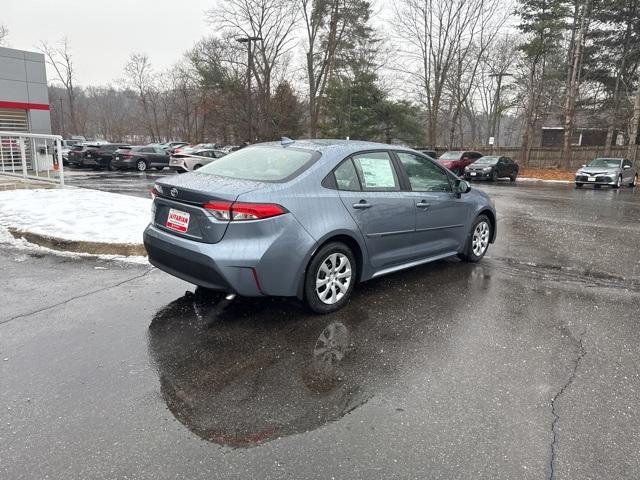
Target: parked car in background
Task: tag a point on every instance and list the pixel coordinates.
(78, 152)
(457, 160)
(614, 172)
(172, 145)
(187, 162)
(101, 156)
(492, 167)
(313, 218)
(140, 157)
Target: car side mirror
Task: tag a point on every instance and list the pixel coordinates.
(627, 167)
(462, 186)
(583, 166)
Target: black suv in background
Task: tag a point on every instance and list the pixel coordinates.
(100, 156)
(141, 158)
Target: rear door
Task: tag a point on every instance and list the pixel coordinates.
(370, 190)
(160, 156)
(440, 216)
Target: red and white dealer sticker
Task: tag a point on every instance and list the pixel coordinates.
(178, 220)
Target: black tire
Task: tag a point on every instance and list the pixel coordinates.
(494, 176)
(513, 176)
(634, 181)
(597, 186)
(110, 167)
(468, 254)
(141, 165)
(311, 296)
(197, 167)
(579, 185)
(619, 182)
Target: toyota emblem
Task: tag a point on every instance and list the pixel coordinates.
(174, 192)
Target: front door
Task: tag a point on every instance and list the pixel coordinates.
(370, 191)
(441, 216)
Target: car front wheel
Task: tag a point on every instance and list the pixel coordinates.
(330, 278)
(141, 165)
(478, 241)
(618, 183)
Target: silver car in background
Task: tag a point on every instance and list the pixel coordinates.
(312, 218)
(614, 172)
(187, 161)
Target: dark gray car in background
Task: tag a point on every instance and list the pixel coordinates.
(313, 218)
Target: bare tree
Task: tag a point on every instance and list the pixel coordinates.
(141, 79)
(59, 57)
(272, 22)
(441, 37)
(4, 33)
(574, 77)
(634, 129)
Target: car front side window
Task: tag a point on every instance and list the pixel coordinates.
(424, 175)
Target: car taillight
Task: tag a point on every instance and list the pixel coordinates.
(240, 211)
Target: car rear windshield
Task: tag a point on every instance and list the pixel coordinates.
(261, 163)
(606, 162)
(487, 161)
(451, 156)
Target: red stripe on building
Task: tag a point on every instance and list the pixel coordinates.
(24, 105)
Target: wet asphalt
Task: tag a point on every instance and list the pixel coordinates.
(526, 365)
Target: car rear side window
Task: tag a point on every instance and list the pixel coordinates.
(262, 163)
(424, 175)
(376, 172)
(346, 177)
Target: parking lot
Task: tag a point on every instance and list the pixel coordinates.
(522, 366)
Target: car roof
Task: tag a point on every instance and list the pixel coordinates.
(325, 145)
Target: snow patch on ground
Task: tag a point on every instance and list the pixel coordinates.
(75, 214)
(22, 245)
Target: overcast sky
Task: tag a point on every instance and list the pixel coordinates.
(103, 33)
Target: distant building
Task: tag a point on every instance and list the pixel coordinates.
(24, 99)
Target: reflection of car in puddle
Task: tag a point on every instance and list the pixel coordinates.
(244, 382)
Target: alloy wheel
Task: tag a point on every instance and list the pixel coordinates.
(480, 238)
(142, 166)
(333, 278)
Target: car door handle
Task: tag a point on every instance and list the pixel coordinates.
(423, 205)
(361, 205)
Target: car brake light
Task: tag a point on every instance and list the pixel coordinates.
(240, 211)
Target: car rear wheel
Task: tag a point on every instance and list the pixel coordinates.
(494, 176)
(478, 240)
(330, 278)
(513, 176)
(197, 167)
(618, 182)
(141, 165)
(634, 181)
(110, 166)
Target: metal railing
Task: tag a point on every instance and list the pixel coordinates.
(32, 156)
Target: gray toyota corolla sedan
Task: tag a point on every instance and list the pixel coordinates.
(312, 218)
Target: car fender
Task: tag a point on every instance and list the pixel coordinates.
(354, 236)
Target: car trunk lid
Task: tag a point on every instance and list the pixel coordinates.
(187, 194)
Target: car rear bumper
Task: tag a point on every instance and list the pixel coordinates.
(248, 266)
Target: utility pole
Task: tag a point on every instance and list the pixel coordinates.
(494, 126)
(248, 41)
(632, 152)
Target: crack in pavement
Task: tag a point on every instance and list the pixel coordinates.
(576, 363)
(102, 289)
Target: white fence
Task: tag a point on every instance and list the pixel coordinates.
(32, 156)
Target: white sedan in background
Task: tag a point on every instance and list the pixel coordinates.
(193, 160)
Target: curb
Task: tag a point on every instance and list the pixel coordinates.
(79, 246)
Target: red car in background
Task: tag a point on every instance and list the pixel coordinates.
(457, 160)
